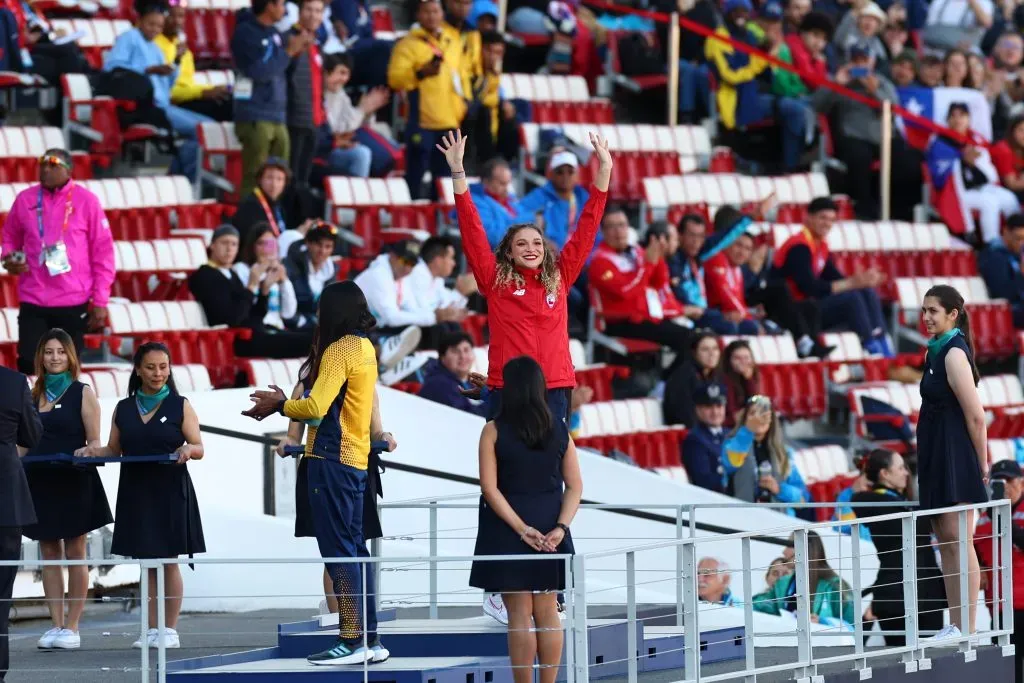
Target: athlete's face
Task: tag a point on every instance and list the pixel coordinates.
(528, 248)
(153, 370)
(55, 358)
(936, 319)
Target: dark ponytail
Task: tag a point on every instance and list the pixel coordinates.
(135, 382)
(951, 300)
(876, 460)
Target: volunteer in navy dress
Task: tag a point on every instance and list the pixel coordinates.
(952, 451)
(531, 487)
(157, 509)
(70, 501)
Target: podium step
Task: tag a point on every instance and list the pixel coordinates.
(663, 647)
(395, 670)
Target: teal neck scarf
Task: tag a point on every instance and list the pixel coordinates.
(56, 385)
(936, 344)
(147, 403)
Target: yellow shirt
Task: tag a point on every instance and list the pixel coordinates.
(185, 88)
(343, 397)
(442, 98)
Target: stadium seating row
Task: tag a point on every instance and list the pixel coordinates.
(21, 147)
(113, 382)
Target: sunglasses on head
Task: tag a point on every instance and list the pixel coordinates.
(759, 400)
(54, 160)
(324, 225)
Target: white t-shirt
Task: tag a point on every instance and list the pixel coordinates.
(956, 13)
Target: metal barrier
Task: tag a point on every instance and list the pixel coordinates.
(690, 612)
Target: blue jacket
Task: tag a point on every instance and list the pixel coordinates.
(441, 386)
(260, 56)
(495, 218)
(10, 53)
(359, 23)
(844, 513)
(738, 461)
(687, 280)
(1001, 270)
(545, 201)
(702, 455)
(132, 51)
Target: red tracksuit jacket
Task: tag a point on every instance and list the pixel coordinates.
(529, 322)
(983, 544)
(621, 282)
(724, 284)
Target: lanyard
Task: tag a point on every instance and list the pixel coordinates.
(699, 278)
(67, 214)
(271, 216)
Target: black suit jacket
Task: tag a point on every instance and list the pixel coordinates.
(19, 426)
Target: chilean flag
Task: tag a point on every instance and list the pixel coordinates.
(933, 104)
(947, 185)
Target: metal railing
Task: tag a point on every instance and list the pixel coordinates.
(578, 598)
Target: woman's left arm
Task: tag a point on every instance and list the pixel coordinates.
(961, 381)
(377, 432)
(193, 447)
(91, 417)
(570, 497)
(494, 497)
(581, 241)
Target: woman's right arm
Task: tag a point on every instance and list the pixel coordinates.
(474, 239)
(961, 381)
(113, 447)
(91, 417)
(494, 497)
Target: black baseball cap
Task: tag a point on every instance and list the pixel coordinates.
(1006, 469)
(709, 395)
(407, 250)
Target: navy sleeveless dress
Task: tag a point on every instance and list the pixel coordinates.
(947, 465)
(157, 511)
(69, 500)
(531, 481)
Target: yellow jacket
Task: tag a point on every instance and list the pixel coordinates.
(185, 88)
(472, 54)
(487, 88)
(442, 98)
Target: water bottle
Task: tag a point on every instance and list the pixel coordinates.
(764, 470)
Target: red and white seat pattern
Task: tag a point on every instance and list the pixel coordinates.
(156, 270)
(633, 426)
(669, 196)
(95, 117)
(897, 249)
(264, 372)
(1002, 449)
(209, 25)
(639, 151)
(850, 351)
(98, 35)
(21, 147)
(827, 471)
(796, 386)
(369, 198)
(557, 99)
(991, 319)
(215, 77)
(140, 208)
(221, 157)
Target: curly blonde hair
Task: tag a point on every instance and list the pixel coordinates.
(506, 267)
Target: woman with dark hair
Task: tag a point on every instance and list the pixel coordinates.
(957, 71)
(254, 293)
(157, 508)
(342, 372)
(69, 501)
(531, 487)
(1008, 157)
(741, 377)
(890, 483)
(525, 282)
(831, 598)
(952, 447)
(701, 368)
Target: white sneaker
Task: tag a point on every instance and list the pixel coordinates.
(46, 641)
(494, 607)
(406, 367)
(170, 638)
(394, 349)
(149, 638)
(947, 633)
(67, 640)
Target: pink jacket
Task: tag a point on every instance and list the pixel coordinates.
(88, 239)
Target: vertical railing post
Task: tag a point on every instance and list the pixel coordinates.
(858, 599)
(910, 622)
(749, 662)
(144, 617)
(161, 623)
(582, 658)
(376, 550)
(961, 549)
(691, 627)
(570, 618)
(1005, 568)
(631, 644)
(679, 566)
(803, 605)
(433, 560)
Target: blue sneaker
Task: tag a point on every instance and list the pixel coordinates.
(342, 653)
(380, 653)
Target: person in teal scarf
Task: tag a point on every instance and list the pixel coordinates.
(831, 597)
(952, 449)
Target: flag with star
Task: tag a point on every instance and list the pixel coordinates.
(933, 104)
(947, 184)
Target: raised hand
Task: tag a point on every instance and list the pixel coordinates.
(601, 148)
(265, 403)
(453, 147)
